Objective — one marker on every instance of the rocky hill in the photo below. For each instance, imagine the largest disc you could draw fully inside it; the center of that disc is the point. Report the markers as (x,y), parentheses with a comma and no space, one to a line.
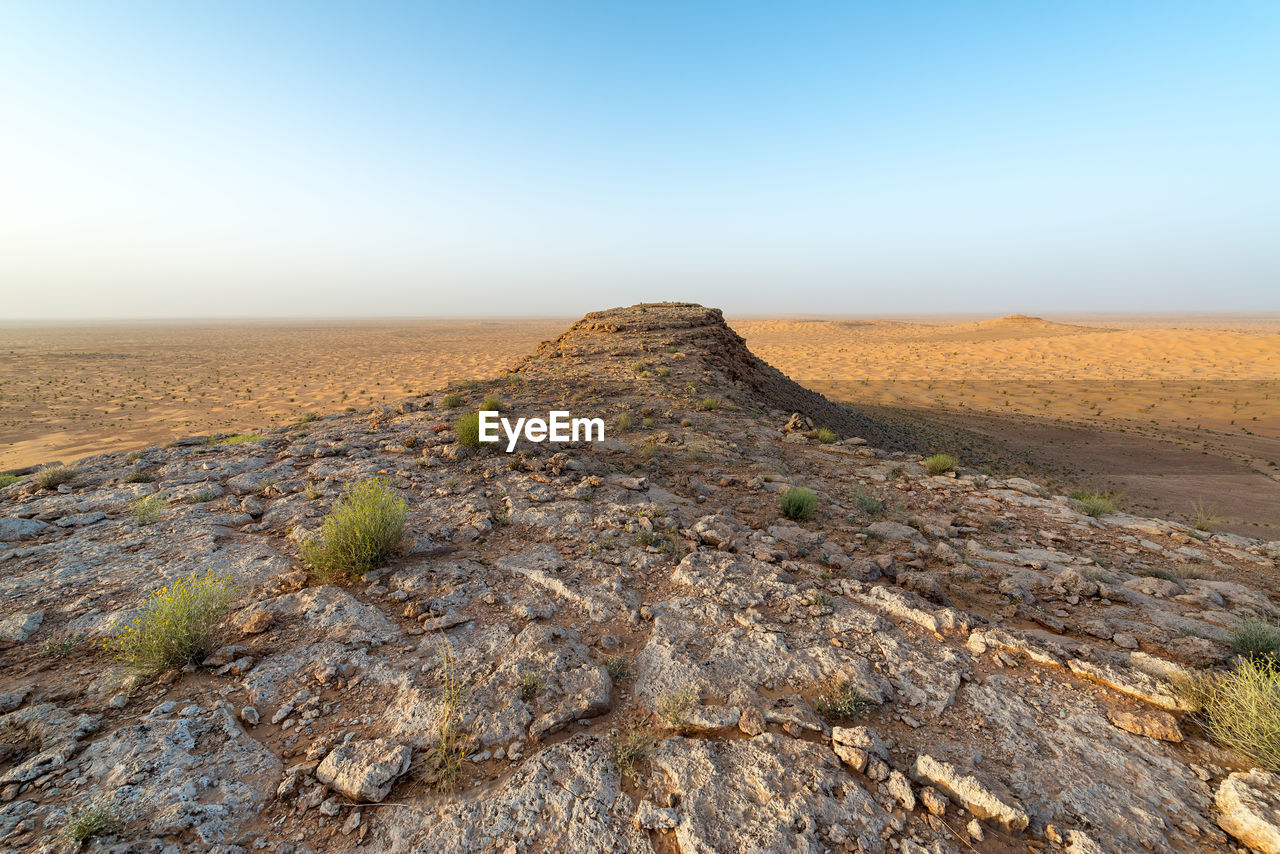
(632,647)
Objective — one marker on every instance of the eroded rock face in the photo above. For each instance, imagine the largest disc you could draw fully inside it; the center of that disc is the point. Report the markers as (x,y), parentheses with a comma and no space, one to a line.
(565,798)
(768,793)
(1001,662)
(196,771)
(1250,809)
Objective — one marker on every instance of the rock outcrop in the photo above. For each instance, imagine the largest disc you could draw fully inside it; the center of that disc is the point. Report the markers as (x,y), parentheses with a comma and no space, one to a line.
(625,642)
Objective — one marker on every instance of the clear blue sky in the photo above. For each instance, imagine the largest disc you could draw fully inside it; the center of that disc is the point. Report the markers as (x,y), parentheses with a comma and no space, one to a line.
(318,158)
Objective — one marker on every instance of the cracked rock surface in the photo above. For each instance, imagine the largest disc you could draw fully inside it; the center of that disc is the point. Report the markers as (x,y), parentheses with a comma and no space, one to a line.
(624,643)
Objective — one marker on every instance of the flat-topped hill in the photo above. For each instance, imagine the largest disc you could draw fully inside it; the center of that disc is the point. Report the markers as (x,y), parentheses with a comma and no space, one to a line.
(698,355)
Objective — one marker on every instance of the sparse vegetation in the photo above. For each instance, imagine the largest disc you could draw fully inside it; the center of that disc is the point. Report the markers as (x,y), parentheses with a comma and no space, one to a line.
(663,371)
(825,435)
(842,700)
(819,598)
(51,477)
(631,748)
(148,509)
(174,626)
(1205,517)
(203,496)
(623,422)
(85,823)
(492,404)
(468,430)
(139,477)
(452,400)
(240,439)
(445,760)
(1257,639)
(940,464)
(531,682)
(709,403)
(60,646)
(1240,709)
(617,666)
(308,417)
(1188,571)
(8,480)
(1094,503)
(674,706)
(866,502)
(361,530)
(798,504)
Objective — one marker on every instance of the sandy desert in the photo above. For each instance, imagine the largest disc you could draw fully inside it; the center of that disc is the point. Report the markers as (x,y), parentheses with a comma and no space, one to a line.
(1179,415)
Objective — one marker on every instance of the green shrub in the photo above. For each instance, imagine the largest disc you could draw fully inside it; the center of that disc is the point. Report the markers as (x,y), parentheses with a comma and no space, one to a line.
(361,530)
(798,503)
(617,666)
(866,502)
(202,496)
(842,700)
(139,477)
(493,404)
(8,479)
(630,748)
(1241,710)
(53,476)
(1256,638)
(709,403)
(674,706)
(1094,503)
(148,509)
(308,417)
(241,438)
(468,429)
(663,371)
(623,422)
(940,464)
(451,401)
(85,823)
(174,626)
(825,435)
(531,682)
(60,646)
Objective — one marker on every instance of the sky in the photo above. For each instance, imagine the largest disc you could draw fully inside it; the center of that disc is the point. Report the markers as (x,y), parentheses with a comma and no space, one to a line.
(329,159)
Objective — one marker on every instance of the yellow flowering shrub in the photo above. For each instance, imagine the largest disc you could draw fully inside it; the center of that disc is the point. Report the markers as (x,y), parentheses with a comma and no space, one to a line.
(361,530)
(174,626)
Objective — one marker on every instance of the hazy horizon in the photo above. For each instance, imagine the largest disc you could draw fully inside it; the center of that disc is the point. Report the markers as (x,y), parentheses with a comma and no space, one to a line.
(504,160)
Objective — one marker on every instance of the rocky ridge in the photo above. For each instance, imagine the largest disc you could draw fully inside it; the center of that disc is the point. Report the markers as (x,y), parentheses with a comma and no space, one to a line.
(1020,658)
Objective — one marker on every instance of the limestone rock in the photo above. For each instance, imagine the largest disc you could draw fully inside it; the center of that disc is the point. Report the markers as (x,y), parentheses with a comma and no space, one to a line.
(966,790)
(364,770)
(16,628)
(1161,725)
(1249,807)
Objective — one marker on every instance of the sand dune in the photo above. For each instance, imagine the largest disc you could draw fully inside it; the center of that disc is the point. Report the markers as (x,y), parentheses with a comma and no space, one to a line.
(1215,379)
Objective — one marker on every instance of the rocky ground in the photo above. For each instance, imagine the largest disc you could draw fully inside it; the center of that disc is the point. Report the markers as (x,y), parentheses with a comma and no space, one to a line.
(1020,657)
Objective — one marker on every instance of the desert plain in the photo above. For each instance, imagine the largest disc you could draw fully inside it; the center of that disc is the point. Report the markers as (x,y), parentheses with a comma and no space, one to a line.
(1178,416)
